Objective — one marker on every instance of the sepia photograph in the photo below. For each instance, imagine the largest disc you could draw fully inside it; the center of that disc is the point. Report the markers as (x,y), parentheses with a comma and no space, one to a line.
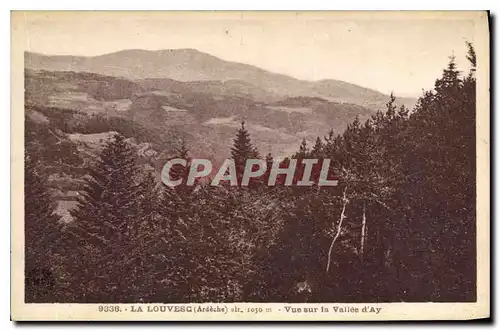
(250,165)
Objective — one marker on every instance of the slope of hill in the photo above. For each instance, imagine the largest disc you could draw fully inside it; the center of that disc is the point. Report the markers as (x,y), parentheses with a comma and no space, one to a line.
(189,65)
(70,114)
(163,111)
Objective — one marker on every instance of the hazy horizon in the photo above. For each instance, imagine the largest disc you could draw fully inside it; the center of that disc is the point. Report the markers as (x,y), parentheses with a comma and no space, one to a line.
(398,52)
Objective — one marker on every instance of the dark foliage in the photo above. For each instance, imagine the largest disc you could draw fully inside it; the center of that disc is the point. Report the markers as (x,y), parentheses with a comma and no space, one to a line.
(400,226)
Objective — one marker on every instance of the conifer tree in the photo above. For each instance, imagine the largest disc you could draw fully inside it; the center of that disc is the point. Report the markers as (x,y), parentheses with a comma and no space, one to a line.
(42,233)
(182,152)
(41,224)
(303,150)
(150,241)
(242,151)
(329,147)
(317,148)
(105,225)
(177,199)
(108,200)
(178,208)
(243,148)
(269,159)
(450,81)
(179,171)
(444,122)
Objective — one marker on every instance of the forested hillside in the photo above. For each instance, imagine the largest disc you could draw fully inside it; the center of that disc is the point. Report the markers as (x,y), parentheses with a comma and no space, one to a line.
(207,72)
(400,226)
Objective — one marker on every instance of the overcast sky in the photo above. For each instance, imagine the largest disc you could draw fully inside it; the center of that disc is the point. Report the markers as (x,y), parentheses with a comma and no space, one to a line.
(398,52)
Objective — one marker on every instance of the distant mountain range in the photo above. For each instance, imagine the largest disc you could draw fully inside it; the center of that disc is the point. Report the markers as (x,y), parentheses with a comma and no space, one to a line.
(190,65)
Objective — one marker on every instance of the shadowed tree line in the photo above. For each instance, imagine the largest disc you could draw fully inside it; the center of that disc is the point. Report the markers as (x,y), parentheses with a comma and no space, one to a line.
(400,226)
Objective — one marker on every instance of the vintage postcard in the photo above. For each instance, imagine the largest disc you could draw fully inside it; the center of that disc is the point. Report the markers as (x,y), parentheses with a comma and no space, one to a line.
(236,166)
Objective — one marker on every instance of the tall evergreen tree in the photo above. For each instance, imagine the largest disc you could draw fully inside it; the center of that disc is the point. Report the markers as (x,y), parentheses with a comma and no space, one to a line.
(178,211)
(41,224)
(177,199)
(317,149)
(243,148)
(106,222)
(42,232)
(107,203)
(441,188)
(303,150)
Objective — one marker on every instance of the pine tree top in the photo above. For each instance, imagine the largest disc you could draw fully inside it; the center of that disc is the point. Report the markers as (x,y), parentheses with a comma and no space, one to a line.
(182,152)
(269,158)
(318,147)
